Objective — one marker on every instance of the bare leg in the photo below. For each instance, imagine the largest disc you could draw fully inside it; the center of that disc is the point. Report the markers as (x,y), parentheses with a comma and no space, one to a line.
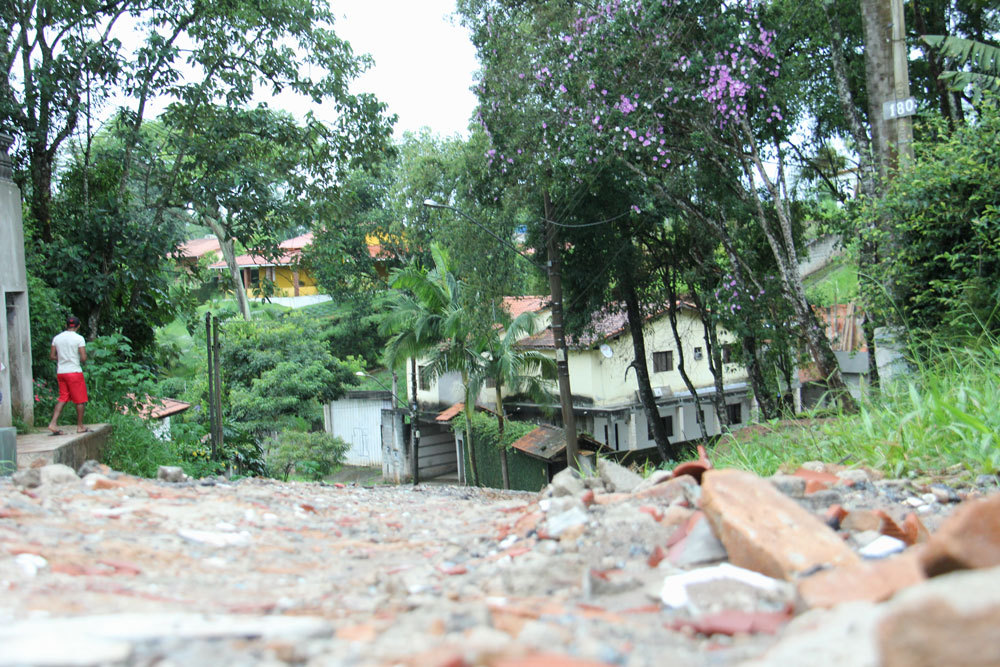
(79,417)
(55,417)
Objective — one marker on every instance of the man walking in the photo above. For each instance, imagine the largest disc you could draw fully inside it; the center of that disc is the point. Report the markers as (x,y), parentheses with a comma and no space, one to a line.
(69,352)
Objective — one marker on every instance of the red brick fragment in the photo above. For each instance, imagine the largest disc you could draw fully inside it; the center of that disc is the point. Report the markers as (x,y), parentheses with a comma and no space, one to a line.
(737,621)
(890,527)
(656,557)
(968,539)
(546,660)
(817,481)
(873,581)
(764,530)
(587,497)
(453,569)
(120,566)
(652,511)
(915,530)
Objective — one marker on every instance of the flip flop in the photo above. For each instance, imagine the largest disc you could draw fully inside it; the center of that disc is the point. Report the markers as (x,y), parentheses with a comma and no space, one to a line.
(55,433)
(85,430)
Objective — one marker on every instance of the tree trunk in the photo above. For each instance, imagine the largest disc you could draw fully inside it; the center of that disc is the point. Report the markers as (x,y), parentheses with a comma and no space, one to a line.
(635,324)
(503,450)
(226,246)
(786,260)
(710,335)
(668,281)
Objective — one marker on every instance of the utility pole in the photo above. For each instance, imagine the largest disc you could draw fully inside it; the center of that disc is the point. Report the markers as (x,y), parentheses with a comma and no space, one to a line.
(887,74)
(901,84)
(559,336)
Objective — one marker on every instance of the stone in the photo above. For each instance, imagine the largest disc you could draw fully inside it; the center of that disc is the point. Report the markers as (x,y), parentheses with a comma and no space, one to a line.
(699,546)
(90,466)
(617,478)
(57,473)
(567,482)
(840,636)
(853,476)
(881,547)
(656,477)
(28,478)
(968,539)
(729,585)
(915,530)
(944,494)
(874,581)
(76,651)
(683,487)
(790,485)
(950,620)
(858,521)
(557,524)
(816,480)
(764,530)
(819,501)
(172,474)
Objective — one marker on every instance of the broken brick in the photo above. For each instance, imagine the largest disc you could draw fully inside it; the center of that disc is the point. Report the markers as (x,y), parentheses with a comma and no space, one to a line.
(764,530)
(968,539)
(873,581)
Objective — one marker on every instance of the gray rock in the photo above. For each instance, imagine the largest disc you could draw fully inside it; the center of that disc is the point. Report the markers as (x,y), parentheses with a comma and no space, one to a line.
(567,482)
(90,466)
(853,476)
(819,501)
(790,485)
(172,474)
(844,635)
(560,523)
(27,479)
(57,473)
(699,547)
(987,480)
(617,478)
(656,477)
(945,494)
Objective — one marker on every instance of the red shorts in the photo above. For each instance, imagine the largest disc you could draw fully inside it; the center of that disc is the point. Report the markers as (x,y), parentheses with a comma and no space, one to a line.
(72,388)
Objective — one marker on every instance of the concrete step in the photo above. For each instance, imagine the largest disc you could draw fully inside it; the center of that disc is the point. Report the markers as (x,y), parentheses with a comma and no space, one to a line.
(71,449)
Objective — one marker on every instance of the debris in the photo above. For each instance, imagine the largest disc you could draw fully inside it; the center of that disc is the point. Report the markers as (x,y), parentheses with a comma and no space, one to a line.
(882,547)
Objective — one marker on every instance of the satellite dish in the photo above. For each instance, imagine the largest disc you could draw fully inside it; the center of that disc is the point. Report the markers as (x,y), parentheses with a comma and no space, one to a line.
(606,351)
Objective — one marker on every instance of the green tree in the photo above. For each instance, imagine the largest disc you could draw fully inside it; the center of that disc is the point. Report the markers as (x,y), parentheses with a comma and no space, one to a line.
(945,267)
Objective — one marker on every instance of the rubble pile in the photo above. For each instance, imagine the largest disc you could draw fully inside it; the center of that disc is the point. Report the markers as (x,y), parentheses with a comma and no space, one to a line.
(819,566)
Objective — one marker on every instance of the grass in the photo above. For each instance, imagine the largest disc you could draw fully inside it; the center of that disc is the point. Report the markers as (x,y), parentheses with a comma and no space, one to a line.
(835,283)
(943,415)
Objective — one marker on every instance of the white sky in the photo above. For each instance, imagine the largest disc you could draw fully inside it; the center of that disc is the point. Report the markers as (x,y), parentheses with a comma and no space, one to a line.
(424,61)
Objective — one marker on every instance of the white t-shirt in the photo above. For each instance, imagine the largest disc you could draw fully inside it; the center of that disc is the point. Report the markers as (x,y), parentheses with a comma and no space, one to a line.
(68,345)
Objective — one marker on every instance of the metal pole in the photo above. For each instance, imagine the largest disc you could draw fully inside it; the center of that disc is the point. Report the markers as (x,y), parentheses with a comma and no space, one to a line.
(414,426)
(559,336)
(211,381)
(218,387)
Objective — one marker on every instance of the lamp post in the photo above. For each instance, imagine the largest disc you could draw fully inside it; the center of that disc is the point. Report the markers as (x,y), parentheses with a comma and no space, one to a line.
(413,412)
(558,333)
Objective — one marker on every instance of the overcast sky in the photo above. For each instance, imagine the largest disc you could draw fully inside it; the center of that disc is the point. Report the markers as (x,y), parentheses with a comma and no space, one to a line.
(424,61)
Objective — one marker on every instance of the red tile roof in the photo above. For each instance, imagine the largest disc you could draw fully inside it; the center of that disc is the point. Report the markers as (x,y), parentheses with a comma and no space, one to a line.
(608,323)
(158,408)
(516,305)
(196,248)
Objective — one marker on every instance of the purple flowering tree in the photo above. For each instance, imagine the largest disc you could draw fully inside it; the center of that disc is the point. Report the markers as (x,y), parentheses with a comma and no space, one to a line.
(652,93)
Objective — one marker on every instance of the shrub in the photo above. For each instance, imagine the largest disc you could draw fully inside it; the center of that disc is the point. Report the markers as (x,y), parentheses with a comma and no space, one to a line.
(313,455)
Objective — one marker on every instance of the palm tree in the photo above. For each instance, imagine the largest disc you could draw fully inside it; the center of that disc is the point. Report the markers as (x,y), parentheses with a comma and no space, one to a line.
(984,59)
(521,370)
(427,319)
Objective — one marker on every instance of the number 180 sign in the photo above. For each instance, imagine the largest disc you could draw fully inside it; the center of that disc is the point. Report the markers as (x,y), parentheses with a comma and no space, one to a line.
(899,108)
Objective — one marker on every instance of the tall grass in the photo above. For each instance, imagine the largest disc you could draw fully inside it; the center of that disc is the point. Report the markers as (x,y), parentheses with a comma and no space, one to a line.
(946,412)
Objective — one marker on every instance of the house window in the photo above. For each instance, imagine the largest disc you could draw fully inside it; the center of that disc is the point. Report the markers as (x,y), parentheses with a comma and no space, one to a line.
(735,413)
(490,383)
(254,277)
(663,361)
(698,354)
(424,378)
(668,425)
(727,353)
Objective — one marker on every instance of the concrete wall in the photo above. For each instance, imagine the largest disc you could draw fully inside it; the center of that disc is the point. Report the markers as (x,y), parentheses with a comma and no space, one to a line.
(15,333)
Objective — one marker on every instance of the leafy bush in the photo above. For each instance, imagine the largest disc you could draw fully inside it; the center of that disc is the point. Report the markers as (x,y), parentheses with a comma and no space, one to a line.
(524,473)
(943,259)
(312,455)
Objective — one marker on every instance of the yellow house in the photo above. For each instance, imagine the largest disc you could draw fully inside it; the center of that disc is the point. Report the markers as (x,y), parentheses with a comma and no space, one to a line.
(284,271)
(604,385)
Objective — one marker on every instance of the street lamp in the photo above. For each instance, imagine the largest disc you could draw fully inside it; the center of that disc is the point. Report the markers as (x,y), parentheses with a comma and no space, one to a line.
(414,414)
(558,334)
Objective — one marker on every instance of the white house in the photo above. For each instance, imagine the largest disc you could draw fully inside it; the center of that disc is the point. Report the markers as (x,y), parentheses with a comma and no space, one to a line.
(605,388)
